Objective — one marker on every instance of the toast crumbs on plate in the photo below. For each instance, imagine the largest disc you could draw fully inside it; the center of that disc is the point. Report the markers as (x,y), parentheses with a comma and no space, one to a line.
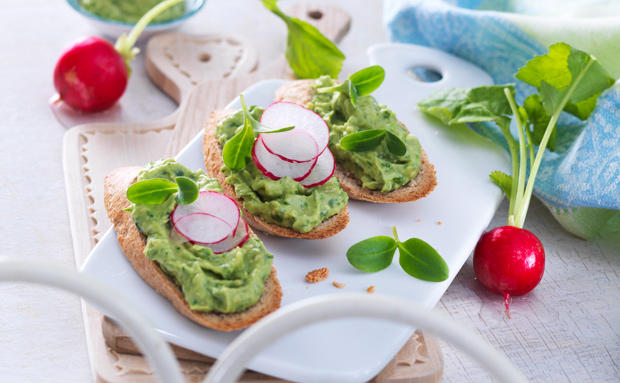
(439,222)
(338,285)
(317,275)
(419,220)
(370,289)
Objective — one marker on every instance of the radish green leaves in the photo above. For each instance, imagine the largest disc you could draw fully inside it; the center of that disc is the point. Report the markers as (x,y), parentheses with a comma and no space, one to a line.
(416,257)
(308,52)
(156,191)
(567,79)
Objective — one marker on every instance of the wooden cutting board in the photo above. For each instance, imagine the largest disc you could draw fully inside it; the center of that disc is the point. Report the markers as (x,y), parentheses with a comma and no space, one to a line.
(201,73)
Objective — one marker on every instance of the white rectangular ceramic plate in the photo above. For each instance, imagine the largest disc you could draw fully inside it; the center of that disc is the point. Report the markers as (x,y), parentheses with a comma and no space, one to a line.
(450,219)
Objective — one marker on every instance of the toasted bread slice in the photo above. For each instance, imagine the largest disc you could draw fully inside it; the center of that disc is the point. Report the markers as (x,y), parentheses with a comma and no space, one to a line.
(133,242)
(300,92)
(213,164)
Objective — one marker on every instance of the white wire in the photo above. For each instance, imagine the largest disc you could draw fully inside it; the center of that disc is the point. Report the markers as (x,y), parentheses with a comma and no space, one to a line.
(157,351)
(231,363)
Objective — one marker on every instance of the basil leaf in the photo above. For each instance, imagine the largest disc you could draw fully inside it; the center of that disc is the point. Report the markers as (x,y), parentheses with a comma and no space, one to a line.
(153,191)
(372,254)
(367,79)
(308,52)
(421,261)
(503,181)
(188,190)
(353,93)
(566,72)
(395,145)
(363,141)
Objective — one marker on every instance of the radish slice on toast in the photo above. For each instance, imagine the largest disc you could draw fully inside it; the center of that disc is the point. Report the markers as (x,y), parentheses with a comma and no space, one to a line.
(242,233)
(203,228)
(322,171)
(275,168)
(213,203)
(283,114)
(295,145)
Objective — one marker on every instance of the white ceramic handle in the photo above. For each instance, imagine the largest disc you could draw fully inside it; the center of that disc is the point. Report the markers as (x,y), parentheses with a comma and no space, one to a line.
(233,360)
(157,351)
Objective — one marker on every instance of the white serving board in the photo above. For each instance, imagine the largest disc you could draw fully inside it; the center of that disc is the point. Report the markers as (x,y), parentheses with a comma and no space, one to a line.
(451,219)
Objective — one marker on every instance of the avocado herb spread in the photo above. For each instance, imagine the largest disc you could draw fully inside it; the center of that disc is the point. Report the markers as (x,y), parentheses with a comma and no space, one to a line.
(378,169)
(284,202)
(228,282)
(130,11)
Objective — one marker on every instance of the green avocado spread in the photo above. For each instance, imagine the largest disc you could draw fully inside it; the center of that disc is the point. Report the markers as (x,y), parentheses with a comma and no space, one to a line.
(228,282)
(377,169)
(130,11)
(284,202)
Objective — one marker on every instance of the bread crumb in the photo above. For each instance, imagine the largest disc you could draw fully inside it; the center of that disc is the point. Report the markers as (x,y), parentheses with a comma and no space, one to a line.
(419,220)
(370,289)
(338,285)
(439,222)
(317,275)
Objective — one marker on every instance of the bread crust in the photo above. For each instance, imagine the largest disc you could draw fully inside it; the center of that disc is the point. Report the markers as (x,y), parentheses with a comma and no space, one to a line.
(213,163)
(301,92)
(132,243)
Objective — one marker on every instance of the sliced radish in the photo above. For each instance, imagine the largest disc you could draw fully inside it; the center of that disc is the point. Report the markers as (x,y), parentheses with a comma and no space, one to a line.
(322,171)
(213,203)
(282,114)
(203,228)
(295,145)
(242,233)
(275,168)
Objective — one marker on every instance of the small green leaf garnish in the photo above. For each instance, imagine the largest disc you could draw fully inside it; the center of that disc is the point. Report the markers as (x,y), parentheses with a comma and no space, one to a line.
(503,181)
(421,261)
(153,191)
(372,254)
(363,141)
(417,257)
(361,83)
(308,52)
(395,145)
(188,190)
(367,80)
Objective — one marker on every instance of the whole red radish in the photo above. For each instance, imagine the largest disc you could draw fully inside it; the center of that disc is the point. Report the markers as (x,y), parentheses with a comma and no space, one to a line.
(509,260)
(91,75)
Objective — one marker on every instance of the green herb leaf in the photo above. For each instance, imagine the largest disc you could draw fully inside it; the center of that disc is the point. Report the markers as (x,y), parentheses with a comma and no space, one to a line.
(363,141)
(308,52)
(457,106)
(188,190)
(372,254)
(537,120)
(260,128)
(367,80)
(566,72)
(153,191)
(239,147)
(353,92)
(503,181)
(395,145)
(422,261)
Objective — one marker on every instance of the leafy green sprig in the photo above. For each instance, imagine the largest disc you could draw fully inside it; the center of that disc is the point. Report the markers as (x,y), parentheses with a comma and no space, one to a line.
(239,147)
(416,257)
(361,83)
(156,191)
(308,52)
(369,139)
(567,80)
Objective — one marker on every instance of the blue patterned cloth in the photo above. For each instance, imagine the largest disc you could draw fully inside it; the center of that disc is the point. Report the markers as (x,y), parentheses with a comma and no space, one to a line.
(580,182)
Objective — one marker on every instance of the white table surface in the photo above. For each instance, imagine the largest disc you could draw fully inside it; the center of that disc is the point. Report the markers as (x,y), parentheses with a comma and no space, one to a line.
(568,329)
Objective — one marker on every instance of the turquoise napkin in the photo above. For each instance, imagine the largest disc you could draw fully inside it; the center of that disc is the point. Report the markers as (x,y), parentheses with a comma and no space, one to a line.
(580,182)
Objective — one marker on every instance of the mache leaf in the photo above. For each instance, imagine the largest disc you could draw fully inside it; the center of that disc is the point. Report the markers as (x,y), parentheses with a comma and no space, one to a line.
(503,181)
(188,190)
(395,145)
(154,191)
(308,52)
(422,261)
(363,141)
(367,80)
(372,254)
(566,72)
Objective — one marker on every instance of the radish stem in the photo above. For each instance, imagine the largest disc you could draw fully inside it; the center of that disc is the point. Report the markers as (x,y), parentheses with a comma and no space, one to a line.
(519,177)
(125,43)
